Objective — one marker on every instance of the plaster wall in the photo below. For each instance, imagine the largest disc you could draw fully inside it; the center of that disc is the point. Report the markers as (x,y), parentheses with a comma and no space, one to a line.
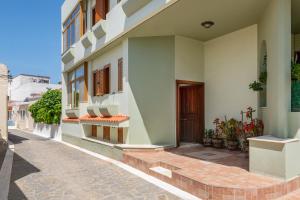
(3,101)
(151,90)
(189,59)
(230,65)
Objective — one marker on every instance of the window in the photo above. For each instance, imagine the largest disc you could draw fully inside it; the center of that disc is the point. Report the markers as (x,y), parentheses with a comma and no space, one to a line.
(101,81)
(71,32)
(77,86)
(22,114)
(120,74)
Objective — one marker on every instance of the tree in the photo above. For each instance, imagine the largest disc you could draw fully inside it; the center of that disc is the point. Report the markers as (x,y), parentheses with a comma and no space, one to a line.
(48,108)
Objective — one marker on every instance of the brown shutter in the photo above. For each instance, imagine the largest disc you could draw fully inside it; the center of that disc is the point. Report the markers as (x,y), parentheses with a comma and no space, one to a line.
(106,133)
(94,131)
(101,84)
(120,75)
(120,136)
(101,10)
(85,98)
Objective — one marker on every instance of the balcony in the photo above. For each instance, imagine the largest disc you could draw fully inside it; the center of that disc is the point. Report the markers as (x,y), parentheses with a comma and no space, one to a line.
(68,56)
(72,113)
(99,29)
(131,6)
(86,40)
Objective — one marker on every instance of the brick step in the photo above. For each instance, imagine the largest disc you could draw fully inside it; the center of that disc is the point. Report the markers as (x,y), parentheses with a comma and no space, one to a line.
(291,196)
(206,190)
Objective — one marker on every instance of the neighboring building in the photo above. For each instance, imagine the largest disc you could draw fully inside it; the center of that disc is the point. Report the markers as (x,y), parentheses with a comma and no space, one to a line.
(3,101)
(24,90)
(138,73)
(25,85)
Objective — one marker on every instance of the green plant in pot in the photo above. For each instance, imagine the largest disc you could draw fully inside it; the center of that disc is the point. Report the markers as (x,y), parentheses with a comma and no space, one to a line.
(231,133)
(217,138)
(207,140)
(260,84)
(295,90)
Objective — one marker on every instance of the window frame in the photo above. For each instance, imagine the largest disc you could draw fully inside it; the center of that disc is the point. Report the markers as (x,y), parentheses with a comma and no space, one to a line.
(78,12)
(76,79)
(120,75)
(102,81)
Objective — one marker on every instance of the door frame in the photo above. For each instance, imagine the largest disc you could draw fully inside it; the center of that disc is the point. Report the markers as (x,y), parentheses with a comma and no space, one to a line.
(178,83)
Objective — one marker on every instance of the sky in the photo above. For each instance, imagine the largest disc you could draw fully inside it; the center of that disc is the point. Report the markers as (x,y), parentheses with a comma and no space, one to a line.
(30,39)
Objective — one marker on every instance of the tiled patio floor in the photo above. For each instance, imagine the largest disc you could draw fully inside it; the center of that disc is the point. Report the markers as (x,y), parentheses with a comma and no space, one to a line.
(211,173)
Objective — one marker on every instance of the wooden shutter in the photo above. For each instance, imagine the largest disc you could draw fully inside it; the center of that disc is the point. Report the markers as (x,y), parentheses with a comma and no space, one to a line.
(120,74)
(120,136)
(94,131)
(101,9)
(101,84)
(106,133)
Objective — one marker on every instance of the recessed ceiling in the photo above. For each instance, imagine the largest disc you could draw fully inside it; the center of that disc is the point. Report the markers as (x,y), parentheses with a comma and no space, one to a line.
(185,17)
(296,16)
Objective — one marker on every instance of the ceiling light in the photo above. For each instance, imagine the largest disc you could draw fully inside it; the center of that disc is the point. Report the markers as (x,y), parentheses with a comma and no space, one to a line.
(208,24)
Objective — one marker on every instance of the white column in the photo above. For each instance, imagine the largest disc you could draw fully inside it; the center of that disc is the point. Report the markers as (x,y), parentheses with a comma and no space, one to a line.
(275,29)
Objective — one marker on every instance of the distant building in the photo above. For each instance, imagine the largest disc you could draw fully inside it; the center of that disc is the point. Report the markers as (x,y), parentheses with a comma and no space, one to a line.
(23,91)
(24,85)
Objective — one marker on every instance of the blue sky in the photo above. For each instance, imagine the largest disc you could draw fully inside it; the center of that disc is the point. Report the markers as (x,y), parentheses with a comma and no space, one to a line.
(30,37)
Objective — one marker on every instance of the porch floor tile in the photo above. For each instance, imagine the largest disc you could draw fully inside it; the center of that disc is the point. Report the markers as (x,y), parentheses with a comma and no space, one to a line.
(206,172)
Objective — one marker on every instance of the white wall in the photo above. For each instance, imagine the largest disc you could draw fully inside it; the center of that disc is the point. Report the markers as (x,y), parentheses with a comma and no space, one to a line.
(189,59)
(25,90)
(116,23)
(230,65)
(115,97)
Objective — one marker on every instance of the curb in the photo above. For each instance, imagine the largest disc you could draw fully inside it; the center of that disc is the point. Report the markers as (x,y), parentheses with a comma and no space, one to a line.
(5,171)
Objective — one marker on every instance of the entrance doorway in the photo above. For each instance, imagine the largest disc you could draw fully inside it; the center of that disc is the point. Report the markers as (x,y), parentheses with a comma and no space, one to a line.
(190,111)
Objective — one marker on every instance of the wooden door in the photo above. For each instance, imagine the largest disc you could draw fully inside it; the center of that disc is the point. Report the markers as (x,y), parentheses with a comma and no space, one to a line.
(191,113)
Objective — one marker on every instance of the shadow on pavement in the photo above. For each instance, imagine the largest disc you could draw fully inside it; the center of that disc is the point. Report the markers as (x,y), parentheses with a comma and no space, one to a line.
(15,138)
(3,147)
(20,169)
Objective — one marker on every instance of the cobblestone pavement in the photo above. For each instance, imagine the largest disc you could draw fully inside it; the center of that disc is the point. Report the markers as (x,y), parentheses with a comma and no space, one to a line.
(44,169)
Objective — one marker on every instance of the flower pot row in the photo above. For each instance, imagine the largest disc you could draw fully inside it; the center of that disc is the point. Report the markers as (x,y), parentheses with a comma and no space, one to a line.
(233,134)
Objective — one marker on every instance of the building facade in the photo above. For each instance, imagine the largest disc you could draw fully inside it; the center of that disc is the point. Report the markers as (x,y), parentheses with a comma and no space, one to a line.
(24,90)
(3,101)
(134,74)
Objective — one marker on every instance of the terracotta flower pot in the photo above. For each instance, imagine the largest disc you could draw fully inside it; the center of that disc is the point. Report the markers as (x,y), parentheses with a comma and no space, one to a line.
(232,145)
(217,142)
(207,142)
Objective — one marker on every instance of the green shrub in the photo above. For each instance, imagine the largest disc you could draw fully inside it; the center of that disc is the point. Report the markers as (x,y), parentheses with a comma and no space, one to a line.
(48,108)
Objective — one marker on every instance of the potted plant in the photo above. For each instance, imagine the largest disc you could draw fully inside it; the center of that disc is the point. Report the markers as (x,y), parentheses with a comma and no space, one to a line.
(260,85)
(207,140)
(231,133)
(217,138)
(250,128)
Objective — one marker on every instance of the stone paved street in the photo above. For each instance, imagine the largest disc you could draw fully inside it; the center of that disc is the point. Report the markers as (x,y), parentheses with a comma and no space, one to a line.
(44,169)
